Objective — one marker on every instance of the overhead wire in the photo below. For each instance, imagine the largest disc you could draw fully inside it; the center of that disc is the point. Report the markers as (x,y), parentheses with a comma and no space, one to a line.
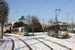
(63,6)
(40,7)
(16,8)
(52,12)
(17,4)
(69,14)
(66,4)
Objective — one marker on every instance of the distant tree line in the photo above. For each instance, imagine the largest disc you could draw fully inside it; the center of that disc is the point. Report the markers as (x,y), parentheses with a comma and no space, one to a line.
(70,25)
(51,21)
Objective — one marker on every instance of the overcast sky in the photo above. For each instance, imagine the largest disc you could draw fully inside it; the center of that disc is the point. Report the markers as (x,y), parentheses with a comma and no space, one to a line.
(41,8)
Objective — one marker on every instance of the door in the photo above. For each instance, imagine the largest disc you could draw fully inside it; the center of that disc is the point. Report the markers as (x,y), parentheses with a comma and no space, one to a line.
(56,31)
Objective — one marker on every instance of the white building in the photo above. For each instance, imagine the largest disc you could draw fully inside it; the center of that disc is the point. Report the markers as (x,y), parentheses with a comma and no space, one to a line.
(13,22)
(7,26)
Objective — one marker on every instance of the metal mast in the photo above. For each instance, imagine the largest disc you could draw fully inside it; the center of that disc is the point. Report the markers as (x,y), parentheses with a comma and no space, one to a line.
(56,14)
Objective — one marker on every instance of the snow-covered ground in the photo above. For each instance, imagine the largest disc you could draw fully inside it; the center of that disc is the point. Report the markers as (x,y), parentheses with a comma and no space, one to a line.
(39,41)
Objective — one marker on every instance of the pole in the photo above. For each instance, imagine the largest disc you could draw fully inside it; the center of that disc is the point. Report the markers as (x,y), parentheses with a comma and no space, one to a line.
(43,25)
(56,14)
(11,30)
(0,32)
(72,25)
(67,18)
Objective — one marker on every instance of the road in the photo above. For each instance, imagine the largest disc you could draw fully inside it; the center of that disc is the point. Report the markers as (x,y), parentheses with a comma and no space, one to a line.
(39,41)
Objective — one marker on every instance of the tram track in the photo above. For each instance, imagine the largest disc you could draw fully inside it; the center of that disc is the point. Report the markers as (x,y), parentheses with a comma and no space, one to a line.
(58,44)
(43,43)
(69,41)
(19,39)
(61,44)
(25,43)
(28,45)
(53,42)
(37,40)
(66,40)
(12,43)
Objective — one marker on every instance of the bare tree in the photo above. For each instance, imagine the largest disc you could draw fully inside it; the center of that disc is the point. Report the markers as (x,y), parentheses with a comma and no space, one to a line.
(52,21)
(3,15)
(70,25)
(33,22)
(28,19)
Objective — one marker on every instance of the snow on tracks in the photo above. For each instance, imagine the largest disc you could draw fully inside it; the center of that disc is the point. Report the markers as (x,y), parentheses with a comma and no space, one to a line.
(62,42)
(24,42)
(19,43)
(36,44)
(58,44)
(44,43)
(12,43)
(49,43)
(39,43)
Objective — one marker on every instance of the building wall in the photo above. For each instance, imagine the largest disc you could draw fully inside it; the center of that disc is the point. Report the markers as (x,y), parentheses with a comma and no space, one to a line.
(13,22)
(7,26)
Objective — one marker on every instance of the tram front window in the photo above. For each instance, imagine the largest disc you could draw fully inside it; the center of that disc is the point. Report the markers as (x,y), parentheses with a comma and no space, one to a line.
(63,27)
(26,29)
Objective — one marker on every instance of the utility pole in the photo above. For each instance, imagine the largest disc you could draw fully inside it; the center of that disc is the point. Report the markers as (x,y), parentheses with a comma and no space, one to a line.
(72,25)
(67,18)
(57,13)
(43,25)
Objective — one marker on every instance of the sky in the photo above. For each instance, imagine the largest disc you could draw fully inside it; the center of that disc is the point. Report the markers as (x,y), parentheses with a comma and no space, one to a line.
(43,9)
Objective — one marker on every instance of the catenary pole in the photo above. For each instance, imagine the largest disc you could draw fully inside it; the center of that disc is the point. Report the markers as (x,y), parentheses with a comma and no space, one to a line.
(43,25)
(67,18)
(72,25)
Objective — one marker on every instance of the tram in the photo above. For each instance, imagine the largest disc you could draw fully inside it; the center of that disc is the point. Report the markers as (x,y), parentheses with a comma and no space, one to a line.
(21,30)
(58,30)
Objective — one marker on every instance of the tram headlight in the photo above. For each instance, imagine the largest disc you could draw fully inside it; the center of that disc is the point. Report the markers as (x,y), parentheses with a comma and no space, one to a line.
(62,32)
